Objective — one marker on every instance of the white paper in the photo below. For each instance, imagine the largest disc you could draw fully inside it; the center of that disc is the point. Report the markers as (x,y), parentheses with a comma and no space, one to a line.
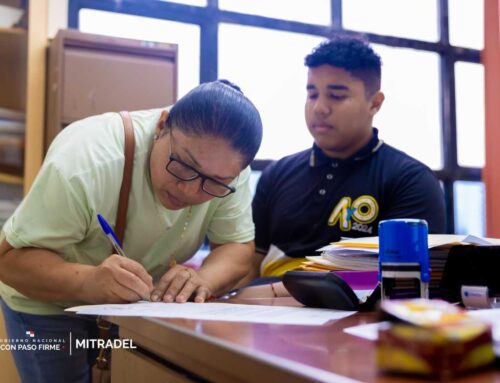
(217,311)
(480,241)
(273,254)
(350,249)
(352,261)
(434,240)
(363,294)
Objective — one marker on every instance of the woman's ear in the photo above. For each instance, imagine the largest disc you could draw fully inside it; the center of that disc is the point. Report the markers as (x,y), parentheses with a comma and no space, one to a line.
(161,124)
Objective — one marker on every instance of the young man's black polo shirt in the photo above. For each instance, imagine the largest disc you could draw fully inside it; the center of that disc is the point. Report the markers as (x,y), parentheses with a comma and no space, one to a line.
(307,200)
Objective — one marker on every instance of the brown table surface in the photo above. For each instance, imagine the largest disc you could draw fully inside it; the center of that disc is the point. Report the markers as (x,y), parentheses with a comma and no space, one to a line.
(292,352)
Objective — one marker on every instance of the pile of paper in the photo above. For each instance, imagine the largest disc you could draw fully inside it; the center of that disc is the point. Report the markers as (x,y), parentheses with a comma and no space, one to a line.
(362,254)
(352,258)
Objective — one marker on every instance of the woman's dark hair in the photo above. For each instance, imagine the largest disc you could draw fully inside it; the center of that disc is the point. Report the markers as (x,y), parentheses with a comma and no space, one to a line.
(219,109)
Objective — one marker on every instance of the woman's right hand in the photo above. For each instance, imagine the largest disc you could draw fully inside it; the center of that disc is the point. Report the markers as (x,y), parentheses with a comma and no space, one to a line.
(116,280)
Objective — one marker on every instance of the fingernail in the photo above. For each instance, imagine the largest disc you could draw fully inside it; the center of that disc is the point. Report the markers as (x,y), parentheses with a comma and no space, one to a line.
(155,297)
(167,298)
(180,298)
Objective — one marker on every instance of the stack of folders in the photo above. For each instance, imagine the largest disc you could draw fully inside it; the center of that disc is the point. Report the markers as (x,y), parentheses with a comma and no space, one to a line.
(361,254)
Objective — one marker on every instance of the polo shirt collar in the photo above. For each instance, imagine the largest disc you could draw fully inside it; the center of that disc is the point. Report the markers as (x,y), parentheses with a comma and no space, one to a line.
(318,158)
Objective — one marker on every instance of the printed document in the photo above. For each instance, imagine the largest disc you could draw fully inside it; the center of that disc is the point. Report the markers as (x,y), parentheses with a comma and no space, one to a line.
(217,311)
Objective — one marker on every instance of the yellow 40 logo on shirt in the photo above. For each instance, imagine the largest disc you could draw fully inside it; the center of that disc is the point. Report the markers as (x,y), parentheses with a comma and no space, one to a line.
(363,210)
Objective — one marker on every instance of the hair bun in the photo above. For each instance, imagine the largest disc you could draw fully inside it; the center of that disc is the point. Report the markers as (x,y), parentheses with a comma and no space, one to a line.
(230,84)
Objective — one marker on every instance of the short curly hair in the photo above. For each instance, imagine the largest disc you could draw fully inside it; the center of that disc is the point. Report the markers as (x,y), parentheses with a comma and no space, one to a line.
(353,54)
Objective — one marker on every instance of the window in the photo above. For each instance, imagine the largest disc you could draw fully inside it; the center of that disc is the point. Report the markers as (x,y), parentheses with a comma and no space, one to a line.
(468,13)
(410,118)
(261,44)
(275,84)
(469,91)
(411,19)
(187,36)
(199,3)
(310,11)
(469,208)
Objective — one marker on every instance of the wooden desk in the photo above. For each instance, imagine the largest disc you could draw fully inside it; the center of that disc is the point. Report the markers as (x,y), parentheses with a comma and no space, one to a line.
(172,349)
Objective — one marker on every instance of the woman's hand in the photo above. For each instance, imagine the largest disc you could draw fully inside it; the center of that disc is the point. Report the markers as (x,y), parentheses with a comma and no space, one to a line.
(116,280)
(179,284)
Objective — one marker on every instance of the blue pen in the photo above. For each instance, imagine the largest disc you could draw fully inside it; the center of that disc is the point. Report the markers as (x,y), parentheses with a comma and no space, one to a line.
(111,235)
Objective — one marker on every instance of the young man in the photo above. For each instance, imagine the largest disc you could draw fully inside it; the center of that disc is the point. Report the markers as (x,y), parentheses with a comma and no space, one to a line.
(350,179)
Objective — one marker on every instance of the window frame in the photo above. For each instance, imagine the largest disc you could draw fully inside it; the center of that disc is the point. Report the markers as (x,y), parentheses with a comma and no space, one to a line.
(209,17)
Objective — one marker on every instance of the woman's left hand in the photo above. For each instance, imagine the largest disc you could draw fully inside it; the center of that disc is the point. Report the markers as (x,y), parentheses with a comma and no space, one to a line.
(179,284)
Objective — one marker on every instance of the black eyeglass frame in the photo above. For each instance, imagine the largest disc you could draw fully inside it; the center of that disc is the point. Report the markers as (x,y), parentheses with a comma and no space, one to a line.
(198,174)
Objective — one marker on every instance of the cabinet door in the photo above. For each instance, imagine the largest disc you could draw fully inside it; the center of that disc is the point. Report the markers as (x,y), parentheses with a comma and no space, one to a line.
(128,366)
(92,74)
(96,82)
(13,57)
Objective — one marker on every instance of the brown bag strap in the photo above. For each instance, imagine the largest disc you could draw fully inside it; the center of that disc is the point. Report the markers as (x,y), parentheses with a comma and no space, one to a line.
(103,359)
(121,214)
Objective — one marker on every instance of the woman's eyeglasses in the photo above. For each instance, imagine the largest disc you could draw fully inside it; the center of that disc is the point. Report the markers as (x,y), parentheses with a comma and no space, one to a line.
(185,172)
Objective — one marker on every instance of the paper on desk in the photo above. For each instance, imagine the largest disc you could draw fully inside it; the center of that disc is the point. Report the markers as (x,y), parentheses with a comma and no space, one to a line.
(480,241)
(217,311)
(434,240)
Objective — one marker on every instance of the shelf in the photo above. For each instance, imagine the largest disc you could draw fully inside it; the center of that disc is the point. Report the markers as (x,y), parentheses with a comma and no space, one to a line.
(12,115)
(12,32)
(13,69)
(11,179)
(12,138)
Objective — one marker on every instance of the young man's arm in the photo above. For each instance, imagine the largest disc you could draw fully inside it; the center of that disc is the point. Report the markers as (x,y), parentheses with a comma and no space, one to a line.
(417,194)
(254,272)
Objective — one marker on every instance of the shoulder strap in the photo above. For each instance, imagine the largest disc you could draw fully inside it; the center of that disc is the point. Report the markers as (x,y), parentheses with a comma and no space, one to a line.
(103,359)
(121,214)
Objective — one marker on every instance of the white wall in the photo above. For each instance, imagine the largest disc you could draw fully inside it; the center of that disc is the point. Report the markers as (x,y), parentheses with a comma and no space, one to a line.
(58,16)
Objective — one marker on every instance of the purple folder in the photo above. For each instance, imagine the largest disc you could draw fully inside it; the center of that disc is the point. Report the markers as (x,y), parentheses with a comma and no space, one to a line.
(359,280)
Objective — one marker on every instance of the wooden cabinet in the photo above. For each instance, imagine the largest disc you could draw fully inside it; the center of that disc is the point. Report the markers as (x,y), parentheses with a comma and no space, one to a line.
(129,366)
(13,61)
(87,75)
(13,64)
(92,74)
(22,97)
(22,105)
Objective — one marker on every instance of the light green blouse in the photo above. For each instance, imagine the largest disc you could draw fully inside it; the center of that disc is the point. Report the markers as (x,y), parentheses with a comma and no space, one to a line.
(81,177)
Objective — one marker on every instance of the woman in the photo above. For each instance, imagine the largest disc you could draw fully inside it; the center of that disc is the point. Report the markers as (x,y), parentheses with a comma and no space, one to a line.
(190,180)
